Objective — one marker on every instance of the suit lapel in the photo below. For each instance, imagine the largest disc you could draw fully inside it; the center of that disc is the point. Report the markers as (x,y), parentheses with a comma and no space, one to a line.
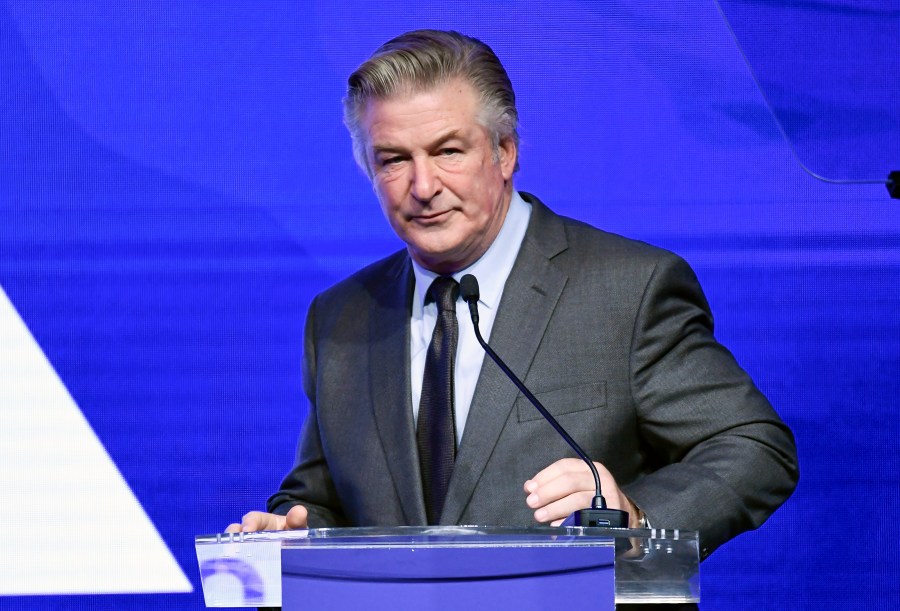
(529,299)
(391,401)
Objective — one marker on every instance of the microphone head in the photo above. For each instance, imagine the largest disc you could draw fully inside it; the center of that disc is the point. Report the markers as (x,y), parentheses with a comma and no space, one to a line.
(468,288)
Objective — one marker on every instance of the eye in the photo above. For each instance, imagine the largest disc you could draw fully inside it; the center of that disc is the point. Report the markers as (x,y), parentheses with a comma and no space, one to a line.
(449,152)
(389,161)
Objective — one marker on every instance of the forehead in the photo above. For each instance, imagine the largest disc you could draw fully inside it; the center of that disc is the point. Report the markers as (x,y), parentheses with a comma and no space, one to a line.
(410,116)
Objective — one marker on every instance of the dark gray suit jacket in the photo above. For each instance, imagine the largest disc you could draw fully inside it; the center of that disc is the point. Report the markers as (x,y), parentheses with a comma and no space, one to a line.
(613,336)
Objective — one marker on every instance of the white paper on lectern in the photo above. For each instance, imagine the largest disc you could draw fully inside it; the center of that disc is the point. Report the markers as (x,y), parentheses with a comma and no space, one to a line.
(241,574)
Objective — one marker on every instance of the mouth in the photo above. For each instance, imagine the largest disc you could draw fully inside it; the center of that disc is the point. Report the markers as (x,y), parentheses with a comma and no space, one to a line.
(431,218)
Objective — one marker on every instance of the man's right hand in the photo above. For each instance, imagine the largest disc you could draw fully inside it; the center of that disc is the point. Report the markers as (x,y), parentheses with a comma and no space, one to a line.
(257,520)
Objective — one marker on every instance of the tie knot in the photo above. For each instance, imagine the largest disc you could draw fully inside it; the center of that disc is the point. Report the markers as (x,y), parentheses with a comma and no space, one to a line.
(443,291)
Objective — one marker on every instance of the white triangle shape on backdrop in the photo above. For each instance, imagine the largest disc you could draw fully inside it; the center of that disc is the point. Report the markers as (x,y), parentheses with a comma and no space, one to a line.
(71,524)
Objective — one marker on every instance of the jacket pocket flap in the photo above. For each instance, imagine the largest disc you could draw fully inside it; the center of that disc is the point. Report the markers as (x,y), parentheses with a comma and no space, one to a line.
(563,400)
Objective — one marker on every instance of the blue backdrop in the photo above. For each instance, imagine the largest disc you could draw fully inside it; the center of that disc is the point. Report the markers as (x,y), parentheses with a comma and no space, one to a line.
(176,185)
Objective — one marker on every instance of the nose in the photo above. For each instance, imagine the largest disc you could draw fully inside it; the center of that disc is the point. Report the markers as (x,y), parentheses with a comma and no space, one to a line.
(425,181)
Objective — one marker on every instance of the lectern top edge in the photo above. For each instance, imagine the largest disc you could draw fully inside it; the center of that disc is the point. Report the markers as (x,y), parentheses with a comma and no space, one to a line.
(448,533)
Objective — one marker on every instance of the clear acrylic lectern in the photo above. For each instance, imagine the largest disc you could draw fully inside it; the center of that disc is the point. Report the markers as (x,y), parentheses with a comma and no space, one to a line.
(473,567)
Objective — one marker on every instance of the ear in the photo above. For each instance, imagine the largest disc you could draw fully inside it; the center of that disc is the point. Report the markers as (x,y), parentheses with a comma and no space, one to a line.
(508,153)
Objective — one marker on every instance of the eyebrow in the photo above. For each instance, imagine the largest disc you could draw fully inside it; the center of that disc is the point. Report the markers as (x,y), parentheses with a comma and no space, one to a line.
(436,143)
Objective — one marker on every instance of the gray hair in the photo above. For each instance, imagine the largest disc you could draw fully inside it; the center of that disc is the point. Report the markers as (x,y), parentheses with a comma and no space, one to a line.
(424,59)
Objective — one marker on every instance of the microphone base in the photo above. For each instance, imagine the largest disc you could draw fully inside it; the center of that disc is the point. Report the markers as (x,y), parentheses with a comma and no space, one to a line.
(603,518)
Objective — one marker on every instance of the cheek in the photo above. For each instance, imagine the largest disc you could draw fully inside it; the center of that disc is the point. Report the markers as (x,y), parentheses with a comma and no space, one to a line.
(486,191)
(386,191)
(390,208)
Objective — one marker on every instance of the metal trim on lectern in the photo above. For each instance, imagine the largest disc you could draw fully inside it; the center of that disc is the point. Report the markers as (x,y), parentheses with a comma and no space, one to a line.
(424,567)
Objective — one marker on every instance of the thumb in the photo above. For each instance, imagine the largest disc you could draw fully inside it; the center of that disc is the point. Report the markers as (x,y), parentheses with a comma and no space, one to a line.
(296,518)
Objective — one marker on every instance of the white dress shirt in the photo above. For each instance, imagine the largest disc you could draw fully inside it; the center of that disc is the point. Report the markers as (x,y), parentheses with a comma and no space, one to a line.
(491,270)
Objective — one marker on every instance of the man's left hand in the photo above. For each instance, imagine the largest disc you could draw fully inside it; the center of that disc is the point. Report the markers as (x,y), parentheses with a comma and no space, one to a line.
(567,486)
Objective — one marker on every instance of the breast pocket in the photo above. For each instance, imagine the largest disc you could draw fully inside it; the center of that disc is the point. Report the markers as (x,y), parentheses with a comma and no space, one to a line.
(563,400)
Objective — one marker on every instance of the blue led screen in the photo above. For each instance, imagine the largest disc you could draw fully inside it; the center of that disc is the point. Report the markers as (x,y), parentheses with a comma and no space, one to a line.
(176,185)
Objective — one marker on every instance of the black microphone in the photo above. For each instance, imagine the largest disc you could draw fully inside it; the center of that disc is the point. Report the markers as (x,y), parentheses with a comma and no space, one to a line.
(598,514)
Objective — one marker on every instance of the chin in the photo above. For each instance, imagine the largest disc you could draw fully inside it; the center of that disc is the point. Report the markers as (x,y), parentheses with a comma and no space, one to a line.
(436,251)
(440,262)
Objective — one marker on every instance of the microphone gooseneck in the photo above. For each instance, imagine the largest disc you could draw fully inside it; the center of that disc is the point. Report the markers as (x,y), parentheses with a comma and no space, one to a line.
(468,289)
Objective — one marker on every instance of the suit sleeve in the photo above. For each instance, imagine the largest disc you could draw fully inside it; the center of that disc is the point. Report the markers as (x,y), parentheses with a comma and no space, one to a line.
(309,482)
(730,460)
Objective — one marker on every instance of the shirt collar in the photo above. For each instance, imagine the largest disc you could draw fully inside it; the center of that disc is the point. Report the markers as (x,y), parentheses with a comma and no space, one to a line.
(494,266)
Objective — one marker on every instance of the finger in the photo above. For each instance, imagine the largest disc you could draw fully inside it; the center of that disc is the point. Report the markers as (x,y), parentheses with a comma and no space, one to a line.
(255,521)
(562,486)
(233,528)
(564,507)
(563,465)
(250,522)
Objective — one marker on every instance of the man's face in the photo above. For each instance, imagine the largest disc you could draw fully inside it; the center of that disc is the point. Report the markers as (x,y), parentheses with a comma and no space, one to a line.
(435,173)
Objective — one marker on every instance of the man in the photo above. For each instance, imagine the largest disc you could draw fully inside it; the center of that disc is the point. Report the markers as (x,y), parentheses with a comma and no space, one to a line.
(614,336)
